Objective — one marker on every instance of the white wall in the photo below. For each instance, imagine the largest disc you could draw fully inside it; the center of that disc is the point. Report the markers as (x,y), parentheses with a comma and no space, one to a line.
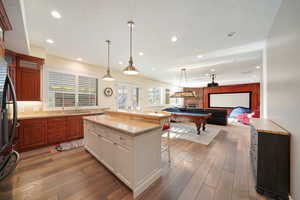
(283,70)
(56,63)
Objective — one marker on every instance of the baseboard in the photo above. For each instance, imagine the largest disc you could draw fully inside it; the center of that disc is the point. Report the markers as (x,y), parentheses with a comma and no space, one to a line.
(146,183)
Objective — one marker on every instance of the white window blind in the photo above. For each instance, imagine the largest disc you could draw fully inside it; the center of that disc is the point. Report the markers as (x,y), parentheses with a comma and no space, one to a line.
(61,90)
(154,96)
(87,91)
(68,90)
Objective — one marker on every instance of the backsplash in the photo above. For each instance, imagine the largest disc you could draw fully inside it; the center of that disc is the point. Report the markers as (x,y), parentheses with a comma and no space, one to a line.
(30,106)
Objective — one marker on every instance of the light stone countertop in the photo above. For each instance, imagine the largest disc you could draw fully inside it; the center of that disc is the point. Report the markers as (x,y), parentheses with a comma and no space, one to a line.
(267,126)
(141,114)
(132,127)
(47,114)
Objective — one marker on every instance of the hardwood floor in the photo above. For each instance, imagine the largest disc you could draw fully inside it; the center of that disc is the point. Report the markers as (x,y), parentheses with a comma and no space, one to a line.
(218,171)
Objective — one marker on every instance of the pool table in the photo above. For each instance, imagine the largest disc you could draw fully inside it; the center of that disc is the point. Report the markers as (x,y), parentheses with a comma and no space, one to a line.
(198,118)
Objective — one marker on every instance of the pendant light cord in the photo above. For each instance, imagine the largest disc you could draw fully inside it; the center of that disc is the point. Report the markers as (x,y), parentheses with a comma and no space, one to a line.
(108,55)
(130,46)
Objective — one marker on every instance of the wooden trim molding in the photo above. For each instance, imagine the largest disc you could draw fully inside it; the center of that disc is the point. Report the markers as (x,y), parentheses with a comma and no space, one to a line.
(40,61)
(4,20)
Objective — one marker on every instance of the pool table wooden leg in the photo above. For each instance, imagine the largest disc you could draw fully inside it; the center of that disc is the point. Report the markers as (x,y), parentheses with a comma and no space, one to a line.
(198,125)
(203,125)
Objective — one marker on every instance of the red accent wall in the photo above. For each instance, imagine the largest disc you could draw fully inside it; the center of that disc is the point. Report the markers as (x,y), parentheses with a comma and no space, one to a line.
(252,87)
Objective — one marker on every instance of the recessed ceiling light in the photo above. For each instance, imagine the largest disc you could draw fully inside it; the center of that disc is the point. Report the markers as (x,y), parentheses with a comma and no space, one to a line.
(55,14)
(120,63)
(213,70)
(49,41)
(79,59)
(231,34)
(141,53)
(174,39)
(200,56)
(257,67)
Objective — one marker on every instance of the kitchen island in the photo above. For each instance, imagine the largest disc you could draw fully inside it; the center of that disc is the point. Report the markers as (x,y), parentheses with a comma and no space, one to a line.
(130,147)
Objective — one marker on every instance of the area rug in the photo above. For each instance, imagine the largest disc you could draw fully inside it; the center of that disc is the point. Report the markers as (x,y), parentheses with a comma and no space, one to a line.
(188,131)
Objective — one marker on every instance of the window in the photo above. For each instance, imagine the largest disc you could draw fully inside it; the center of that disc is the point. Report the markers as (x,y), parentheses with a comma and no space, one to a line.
(154,96)
(167,95)
(87,91)
(68,90)
(127,97)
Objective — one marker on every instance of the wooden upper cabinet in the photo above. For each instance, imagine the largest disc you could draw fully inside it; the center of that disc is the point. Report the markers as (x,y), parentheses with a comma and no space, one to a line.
(4,26)
(10,58)
(28,81)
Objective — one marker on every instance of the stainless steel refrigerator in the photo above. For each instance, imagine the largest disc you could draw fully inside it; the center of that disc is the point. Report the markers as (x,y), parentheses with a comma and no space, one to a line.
(8,122)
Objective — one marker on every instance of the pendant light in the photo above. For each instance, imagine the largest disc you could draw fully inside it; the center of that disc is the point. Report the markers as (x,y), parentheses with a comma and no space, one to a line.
(183,94)
(107,76)
(130,69)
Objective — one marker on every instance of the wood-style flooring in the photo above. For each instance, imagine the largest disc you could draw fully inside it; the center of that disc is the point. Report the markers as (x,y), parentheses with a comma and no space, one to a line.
(220,171)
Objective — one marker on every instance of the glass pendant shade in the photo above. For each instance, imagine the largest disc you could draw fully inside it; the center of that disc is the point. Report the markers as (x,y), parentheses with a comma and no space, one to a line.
(130,69)
(107,77)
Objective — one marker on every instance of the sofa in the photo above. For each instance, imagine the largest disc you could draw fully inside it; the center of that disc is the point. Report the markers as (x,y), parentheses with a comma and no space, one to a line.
(218,117)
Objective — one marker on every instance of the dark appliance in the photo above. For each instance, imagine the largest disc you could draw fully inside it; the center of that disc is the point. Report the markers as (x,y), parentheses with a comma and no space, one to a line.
(8,122)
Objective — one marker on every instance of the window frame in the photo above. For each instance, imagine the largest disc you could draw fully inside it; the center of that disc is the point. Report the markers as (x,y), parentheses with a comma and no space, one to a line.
(161,96)
(132,87)
(45,89)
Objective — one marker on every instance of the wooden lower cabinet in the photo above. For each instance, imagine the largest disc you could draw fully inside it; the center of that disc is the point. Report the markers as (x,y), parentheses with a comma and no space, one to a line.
(32,133)
(56,130)
(74,127)
(48,131)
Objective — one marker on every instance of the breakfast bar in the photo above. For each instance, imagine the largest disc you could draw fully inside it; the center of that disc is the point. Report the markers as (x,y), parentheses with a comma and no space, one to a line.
(128,144)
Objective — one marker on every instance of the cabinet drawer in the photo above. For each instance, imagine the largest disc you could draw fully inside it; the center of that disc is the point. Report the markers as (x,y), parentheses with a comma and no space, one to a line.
(103,131)
(113,135)
(56,128)
(124,140)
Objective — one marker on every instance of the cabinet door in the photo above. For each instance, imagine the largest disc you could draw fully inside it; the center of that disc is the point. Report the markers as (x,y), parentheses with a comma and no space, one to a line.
(32,133)
(94,143)
(28,84)
(74,127)
(56,130)
(28,77)
(107,149)
(123,163)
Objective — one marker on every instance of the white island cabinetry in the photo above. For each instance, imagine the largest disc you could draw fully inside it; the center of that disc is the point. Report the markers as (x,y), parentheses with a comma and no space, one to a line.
(129,149)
